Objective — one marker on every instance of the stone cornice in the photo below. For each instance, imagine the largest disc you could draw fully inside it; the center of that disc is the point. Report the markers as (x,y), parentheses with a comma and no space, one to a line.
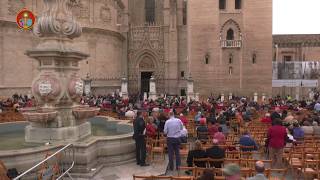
(4,22)
(297,40)
(103,31)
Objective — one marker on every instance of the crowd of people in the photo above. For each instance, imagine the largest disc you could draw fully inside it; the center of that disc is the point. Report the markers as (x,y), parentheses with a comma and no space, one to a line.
(16,102)
(288,121)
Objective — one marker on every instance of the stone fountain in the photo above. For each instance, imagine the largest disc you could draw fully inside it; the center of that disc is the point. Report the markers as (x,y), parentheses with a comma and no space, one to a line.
(58,87)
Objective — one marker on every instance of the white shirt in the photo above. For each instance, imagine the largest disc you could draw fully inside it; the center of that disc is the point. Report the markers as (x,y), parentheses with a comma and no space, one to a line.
(173,127)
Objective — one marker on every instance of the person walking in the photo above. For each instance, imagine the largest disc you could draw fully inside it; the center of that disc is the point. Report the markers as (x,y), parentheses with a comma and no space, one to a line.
(139,137)
(172,129)
(276,140)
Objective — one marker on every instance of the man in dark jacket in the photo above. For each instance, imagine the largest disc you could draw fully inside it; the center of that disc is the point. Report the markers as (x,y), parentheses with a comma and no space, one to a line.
(139,136)
(215,152)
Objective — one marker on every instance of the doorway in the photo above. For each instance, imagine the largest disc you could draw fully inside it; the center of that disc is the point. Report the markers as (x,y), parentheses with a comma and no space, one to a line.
(145,82)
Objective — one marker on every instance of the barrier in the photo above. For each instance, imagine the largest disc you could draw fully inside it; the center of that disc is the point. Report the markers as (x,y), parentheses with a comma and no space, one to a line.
(54,166)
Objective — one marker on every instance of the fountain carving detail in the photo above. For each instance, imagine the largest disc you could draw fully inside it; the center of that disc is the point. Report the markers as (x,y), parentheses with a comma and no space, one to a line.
(58,87)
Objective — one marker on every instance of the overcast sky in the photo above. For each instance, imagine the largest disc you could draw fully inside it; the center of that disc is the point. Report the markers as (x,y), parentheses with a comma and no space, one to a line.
(296,16)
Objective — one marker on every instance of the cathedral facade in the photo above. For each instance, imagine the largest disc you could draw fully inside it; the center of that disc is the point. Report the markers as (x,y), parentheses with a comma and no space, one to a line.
(224,46)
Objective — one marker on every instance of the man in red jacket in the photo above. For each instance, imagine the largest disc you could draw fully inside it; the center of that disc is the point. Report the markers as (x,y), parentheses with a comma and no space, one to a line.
(276,136)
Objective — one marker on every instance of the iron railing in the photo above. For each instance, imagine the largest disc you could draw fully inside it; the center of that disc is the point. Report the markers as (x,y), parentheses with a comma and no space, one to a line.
(54,166)
(231,43)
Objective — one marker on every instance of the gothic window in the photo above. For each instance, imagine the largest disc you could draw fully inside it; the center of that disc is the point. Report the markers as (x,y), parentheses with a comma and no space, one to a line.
(254,58)
(182,74)
(230,58)
(206,58)
(222,4)
(274,56)
(184,11)
(237,4)
(150,10)
(230,34)
(230,70)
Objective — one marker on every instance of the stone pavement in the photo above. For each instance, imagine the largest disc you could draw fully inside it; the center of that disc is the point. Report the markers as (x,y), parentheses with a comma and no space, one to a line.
(125,171)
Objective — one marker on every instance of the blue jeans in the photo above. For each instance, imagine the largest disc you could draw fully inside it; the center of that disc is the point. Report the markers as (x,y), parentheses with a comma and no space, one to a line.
(173,148)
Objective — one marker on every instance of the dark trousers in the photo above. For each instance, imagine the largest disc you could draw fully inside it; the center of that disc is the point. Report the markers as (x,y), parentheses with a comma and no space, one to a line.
(140,150)
(173,149)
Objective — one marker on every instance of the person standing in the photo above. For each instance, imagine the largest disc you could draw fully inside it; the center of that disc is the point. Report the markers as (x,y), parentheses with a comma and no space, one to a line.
(139,137)
(276,136)
(172,129)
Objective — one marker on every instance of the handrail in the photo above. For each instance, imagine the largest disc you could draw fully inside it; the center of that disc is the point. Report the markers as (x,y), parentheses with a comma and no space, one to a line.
(46,159)
(66,172)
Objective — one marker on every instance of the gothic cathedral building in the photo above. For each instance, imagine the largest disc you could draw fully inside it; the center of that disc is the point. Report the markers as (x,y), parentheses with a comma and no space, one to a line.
(223,46)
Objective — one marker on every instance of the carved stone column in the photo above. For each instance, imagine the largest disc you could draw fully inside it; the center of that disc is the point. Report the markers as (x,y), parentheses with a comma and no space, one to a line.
(58,87)
(255,97)
(153,92)
(190,92)
(124,88)
(222,97)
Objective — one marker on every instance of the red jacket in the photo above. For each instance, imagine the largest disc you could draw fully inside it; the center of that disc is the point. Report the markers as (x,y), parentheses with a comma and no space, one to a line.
(212,130)
(151,131)
(266,120)
(277,135)
(184,120)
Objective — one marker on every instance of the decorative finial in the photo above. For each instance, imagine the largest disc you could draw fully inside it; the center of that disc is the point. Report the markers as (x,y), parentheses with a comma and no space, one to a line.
(57,20)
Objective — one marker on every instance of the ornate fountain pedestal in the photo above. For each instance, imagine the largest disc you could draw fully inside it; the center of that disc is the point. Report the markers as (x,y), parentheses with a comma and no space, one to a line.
(58,87)
(44,126)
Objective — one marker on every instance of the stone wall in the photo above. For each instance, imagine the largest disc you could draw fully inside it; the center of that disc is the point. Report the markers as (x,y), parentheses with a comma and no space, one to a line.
(252,25)
(301,47)
(101,38)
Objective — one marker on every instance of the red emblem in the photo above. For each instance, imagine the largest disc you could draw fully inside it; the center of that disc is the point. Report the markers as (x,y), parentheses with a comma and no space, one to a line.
(25,19)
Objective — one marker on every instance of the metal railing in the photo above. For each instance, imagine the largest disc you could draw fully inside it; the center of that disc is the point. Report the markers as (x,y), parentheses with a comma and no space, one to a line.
(231,43)
(54,166)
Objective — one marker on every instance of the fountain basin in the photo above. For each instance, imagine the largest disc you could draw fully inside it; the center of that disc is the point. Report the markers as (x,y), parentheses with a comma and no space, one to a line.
(85,112)
(39,115)
(96,151)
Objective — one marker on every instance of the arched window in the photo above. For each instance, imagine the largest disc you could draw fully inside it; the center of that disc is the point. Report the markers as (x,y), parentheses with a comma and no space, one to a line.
(230,34)
(150,10)
(237,4)
(230,58)
(222,4)
(254,58)
(184,13)
(206,58)
(230,70)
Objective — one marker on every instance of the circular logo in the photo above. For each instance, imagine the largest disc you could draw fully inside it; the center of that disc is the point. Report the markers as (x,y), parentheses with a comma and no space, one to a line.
(25,19)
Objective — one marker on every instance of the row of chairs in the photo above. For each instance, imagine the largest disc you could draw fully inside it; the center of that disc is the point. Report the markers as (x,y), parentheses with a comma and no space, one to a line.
(196,172)
(136,177)
(303,160)
(243,163)
(10,116)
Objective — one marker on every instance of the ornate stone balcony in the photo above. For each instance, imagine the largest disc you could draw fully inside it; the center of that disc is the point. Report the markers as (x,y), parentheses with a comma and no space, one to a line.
(231,43)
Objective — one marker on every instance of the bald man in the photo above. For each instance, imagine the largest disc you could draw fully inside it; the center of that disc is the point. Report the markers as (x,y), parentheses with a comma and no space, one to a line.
(259,172)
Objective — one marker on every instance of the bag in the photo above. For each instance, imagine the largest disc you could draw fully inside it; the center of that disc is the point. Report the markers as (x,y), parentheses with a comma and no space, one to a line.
(12,173)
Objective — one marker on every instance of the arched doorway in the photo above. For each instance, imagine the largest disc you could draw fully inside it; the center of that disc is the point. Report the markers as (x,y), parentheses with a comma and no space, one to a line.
(146,70)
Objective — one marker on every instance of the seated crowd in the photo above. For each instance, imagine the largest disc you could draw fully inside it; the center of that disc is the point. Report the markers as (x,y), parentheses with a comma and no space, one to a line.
(217,140)
(240,138)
